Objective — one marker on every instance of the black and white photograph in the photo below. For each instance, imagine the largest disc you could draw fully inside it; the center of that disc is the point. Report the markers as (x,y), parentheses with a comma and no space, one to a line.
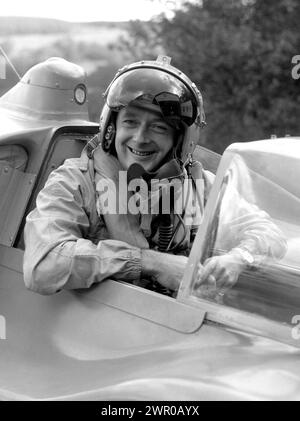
(149,203)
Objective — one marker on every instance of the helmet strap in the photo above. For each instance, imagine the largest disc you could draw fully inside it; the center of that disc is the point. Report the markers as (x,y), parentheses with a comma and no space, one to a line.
(109,136)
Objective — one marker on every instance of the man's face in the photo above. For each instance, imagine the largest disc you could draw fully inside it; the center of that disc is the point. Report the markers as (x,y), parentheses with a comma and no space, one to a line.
(142,137)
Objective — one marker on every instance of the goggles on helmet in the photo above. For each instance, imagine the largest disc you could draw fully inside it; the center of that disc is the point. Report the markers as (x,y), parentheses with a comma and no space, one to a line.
(178,101)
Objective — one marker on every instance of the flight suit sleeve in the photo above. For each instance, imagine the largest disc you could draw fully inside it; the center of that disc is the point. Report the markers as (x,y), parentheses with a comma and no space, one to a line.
(58,254)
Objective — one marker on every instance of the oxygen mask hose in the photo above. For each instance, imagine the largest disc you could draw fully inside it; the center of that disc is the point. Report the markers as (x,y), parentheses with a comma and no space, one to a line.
(166,225)
(166,229)
(169,171)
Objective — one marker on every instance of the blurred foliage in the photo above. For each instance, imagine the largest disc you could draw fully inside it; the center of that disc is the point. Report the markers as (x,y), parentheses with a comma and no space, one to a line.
(239,53)
(142,40)
(98,81)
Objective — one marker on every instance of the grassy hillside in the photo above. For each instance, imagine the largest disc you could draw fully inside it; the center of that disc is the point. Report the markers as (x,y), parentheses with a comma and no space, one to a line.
(20,25)
(25,25)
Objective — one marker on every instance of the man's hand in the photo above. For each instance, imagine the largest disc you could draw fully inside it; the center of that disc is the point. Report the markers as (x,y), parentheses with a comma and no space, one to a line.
(218,274)
(167,269)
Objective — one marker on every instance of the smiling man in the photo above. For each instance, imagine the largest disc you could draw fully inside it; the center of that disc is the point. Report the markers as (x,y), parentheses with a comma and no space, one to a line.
(142,136)
(150,121)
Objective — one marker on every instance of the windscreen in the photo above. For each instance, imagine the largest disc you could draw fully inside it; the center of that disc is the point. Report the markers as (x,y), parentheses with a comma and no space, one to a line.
(256,208)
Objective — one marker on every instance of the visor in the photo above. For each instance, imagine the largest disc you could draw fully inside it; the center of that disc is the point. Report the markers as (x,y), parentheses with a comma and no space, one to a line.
(176,100)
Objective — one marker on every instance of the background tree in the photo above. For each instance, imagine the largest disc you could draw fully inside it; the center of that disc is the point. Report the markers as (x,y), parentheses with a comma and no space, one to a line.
(239,53)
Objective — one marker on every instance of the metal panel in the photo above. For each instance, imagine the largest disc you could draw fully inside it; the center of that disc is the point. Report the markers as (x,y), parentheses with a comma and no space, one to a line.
(157,308)
(15,190)
(12,259)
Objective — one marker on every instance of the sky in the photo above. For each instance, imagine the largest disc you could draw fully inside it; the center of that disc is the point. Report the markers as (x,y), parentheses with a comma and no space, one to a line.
(87,10)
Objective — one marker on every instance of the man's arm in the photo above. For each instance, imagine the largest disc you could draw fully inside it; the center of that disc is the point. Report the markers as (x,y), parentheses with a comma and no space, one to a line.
(58,252)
